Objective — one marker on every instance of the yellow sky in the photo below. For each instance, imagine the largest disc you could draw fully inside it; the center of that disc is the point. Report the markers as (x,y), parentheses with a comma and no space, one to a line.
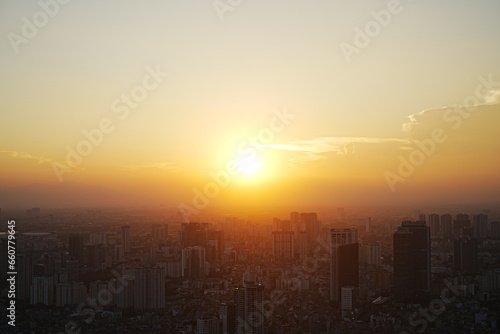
(153,99)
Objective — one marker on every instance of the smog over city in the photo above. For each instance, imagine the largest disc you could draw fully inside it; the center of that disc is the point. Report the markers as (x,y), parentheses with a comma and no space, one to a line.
(234,167)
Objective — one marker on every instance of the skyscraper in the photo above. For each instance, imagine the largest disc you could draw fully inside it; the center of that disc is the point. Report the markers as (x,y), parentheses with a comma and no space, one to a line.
(465,254)
(412,262)
(159,233)
(495,229)
(446,226)
(348,261)
(193,262)
(250,313)
(461,221)
(310,221)
(126,239)
(194,234)
(149,288)
(338,238)
(228,317)
(480,224)
(76,247)
(434,224)
(371,253)
(283,245)
(215,240)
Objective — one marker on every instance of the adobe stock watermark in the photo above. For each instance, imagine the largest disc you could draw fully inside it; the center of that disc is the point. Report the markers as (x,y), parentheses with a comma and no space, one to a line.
(427,147)
(363,37)
(31,26)
(223,6)
(248,149)
(436,307)
(121,106)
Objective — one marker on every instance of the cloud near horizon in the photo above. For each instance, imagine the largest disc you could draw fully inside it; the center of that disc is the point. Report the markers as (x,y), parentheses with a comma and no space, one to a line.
(318,148)
(26,156)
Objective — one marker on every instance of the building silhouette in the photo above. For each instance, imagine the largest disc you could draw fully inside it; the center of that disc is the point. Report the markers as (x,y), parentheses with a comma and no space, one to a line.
(480,224)
(76,247)
(341,270)
(126,239)
(249,309)
(283,245)
(412,262)
(465,254)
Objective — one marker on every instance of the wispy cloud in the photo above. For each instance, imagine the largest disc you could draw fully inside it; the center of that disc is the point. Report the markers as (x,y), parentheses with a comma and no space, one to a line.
(158,166)
(25,156)
(492,97)
(317,148)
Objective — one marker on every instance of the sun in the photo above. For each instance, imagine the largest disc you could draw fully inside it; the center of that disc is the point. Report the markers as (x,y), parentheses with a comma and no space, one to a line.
(249,167)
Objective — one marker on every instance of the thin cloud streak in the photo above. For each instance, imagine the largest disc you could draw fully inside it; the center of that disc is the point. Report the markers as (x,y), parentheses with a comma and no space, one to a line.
(316,148)
(26,156)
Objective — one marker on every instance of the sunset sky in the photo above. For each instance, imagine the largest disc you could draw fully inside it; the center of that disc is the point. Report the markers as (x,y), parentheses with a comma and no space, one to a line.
(214,78)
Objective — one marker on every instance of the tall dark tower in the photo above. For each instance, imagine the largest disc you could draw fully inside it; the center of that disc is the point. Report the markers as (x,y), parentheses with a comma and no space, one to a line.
(249,309)
(76,247)
(465,254)
(412,262)
(343,261)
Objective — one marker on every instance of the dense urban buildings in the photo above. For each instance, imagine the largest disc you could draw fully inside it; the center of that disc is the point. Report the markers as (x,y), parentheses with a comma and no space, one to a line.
(231,275)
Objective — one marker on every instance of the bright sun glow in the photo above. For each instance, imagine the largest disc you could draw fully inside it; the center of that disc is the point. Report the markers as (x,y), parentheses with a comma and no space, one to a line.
(249,166)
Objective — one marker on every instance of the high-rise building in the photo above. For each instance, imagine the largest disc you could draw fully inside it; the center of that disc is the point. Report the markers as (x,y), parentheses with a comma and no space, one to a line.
(194,234)
(368,223)
(348,261)
(76,247)
(250,312)
(95,256)
(480,224)
(446,226)
(495,229)
(125,289)
(283,245)
(461,221)
(25,276)
(98,238)
(412,262)
(294,218)
(42,291)
(310,221)
(349,299)
(159,233)
(465,254)
(73,269)
(126,239)
(371,253)
(228,318)
(434,223)
(338,238)
(149,288)
(193,262)
(282,225)
(215,242)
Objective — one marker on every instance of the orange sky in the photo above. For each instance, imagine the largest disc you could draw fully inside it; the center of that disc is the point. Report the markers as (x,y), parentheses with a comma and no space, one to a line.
(151,101)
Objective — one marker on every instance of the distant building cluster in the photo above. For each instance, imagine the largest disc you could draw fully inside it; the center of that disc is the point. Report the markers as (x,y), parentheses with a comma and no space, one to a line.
(348,272)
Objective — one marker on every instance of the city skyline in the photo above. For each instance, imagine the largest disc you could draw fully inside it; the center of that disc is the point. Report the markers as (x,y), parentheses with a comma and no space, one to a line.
(325,104)
(234,166)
